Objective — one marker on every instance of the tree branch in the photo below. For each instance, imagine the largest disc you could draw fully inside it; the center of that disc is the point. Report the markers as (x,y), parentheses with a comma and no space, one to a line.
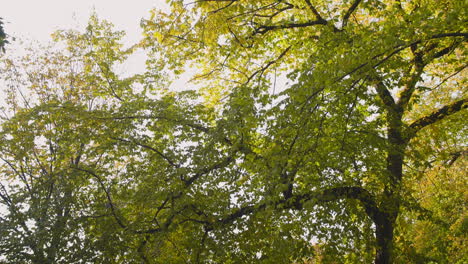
(385,96)
(353,192)
(396,49)
(458,70)
(438,115)
(446,50)
(265,29)
(452,34)
(231,2)
(166,158)
(176,121)
(412,80)
(350,11)
(223,163)
(314,10)
(297,201)
(266,66)
(108,196)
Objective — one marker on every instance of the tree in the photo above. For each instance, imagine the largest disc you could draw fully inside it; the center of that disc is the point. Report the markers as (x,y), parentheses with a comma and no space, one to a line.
(344,130)
(50,201)
(243,170)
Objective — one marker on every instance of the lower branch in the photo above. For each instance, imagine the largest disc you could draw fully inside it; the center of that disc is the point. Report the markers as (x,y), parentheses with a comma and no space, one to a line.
(297,202)
(354,192)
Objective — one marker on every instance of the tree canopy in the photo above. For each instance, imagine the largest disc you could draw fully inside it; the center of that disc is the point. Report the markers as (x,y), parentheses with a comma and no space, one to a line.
(320,132)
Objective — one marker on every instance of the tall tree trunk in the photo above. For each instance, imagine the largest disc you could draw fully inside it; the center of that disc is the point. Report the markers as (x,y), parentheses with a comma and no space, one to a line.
(384,236)
(390,206)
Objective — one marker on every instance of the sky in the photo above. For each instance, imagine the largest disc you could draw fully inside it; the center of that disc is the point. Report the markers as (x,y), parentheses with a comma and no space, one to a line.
(37,19)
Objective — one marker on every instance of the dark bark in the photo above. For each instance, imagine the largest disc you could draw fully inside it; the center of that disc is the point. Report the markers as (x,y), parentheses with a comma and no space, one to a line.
(384,235)
(395,155)
(390,205)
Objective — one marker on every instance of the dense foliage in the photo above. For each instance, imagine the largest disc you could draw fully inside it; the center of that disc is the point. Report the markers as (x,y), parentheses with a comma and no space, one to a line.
(359,157)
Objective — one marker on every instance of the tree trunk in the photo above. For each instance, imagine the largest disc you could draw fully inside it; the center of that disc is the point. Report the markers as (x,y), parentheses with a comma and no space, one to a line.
(384,237)
(390,206)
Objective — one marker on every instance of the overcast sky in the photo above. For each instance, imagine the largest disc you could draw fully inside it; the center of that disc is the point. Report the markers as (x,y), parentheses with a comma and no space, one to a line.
(37,19)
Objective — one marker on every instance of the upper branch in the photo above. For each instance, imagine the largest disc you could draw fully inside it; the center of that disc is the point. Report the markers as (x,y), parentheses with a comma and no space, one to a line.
(160,153)
(231,2)
(413,79)
(385,95)
(438,115)
(420,62)
(266,66)
(264,29)
(447,50)
(318,16)
(395,50)
(161,117)
(223,163)
(315,11)
(350,11)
